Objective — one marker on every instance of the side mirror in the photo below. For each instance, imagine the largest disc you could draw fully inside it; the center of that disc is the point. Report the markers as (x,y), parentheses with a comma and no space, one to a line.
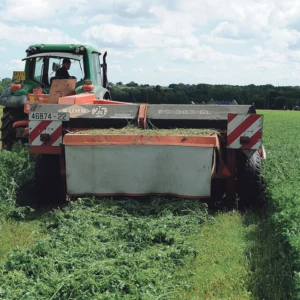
(55,67)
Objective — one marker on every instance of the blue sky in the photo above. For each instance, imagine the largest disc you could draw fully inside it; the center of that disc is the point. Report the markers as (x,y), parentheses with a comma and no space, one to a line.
(162,42)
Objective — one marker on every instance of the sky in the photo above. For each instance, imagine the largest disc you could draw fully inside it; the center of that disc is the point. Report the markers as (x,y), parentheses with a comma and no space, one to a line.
(153,42)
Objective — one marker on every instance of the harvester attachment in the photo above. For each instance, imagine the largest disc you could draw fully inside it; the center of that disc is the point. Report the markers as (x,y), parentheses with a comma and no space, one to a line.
(108,148)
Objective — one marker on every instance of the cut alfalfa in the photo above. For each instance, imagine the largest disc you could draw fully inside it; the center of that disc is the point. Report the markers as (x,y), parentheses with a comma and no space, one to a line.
(138,131)
(108,249)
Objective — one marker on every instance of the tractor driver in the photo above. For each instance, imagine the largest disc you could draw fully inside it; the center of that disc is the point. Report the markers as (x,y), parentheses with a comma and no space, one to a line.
(63,71)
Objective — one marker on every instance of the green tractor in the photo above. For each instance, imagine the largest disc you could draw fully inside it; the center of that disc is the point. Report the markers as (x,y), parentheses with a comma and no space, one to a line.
(42,63)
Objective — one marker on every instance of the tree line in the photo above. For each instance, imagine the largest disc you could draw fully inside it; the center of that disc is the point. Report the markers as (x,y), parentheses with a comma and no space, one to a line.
(4,83)
(263,96)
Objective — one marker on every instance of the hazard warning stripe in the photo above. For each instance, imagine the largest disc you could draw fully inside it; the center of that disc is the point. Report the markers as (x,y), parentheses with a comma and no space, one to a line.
(244,126)
(56,137)
(38,128)
(53,128)
(237,130)
(255,141)
(249,132)
(235,121)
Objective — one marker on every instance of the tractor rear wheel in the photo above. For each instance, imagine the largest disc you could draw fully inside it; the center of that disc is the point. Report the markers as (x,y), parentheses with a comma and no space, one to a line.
(49,188)
(249,181)
(8,133)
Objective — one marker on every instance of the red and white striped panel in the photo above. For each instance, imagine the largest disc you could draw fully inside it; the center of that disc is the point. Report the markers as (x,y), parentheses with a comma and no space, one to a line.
(244,126)
(53,128)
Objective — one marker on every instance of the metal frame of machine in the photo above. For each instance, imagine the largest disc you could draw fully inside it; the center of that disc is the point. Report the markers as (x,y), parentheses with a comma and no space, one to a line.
(53,130)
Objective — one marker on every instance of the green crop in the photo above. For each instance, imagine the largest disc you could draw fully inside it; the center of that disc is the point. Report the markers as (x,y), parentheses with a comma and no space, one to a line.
(103,249)
(282,178)
(17,167)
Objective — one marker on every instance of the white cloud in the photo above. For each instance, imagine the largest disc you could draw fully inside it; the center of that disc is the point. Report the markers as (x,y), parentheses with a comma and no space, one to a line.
(285,14)
(160,69)
(138,70)
(12,65)
(20,35)
(283,38)
(224,41)
(227,30)
(179,71)
(75,21)
(234,31)
(37,10)
(231,10)
(132,8)
(202,53)
(116,67)
(268,55)
(136,37)
(17,64)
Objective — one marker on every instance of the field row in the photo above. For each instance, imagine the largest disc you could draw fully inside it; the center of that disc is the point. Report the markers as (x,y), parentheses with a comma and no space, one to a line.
(282,177)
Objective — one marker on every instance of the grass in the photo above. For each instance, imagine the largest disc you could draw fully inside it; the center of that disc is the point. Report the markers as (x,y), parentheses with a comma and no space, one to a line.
(269,265)
(107,250)
(282,174)
(221,269)
(15,230)
(160,249)
(240,257)
(18,235)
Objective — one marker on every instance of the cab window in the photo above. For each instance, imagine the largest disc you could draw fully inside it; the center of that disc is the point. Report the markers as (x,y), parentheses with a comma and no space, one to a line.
(44,68)
(76,69)
(97,68)
(39,69)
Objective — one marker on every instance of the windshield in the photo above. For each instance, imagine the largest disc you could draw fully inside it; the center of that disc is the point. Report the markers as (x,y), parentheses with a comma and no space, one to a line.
(46,67)
(76,68)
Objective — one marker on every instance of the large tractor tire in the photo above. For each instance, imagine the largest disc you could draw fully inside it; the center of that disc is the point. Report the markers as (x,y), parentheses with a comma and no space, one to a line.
(8,133)
(46,188)
(49,188)
(249,181)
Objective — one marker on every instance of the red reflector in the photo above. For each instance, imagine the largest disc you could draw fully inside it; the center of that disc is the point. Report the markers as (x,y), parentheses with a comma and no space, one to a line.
(16,87)
(244,140)
(88,87)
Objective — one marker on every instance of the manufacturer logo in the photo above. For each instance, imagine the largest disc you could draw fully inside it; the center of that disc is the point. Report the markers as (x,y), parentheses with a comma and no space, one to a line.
(75,110)
(99,111)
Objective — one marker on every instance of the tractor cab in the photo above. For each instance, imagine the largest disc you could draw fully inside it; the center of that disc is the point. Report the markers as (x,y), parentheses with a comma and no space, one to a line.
(88,70)
(44,66)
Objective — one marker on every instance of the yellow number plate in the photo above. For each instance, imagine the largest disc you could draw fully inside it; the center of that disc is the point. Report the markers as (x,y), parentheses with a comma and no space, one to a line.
(18,75)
